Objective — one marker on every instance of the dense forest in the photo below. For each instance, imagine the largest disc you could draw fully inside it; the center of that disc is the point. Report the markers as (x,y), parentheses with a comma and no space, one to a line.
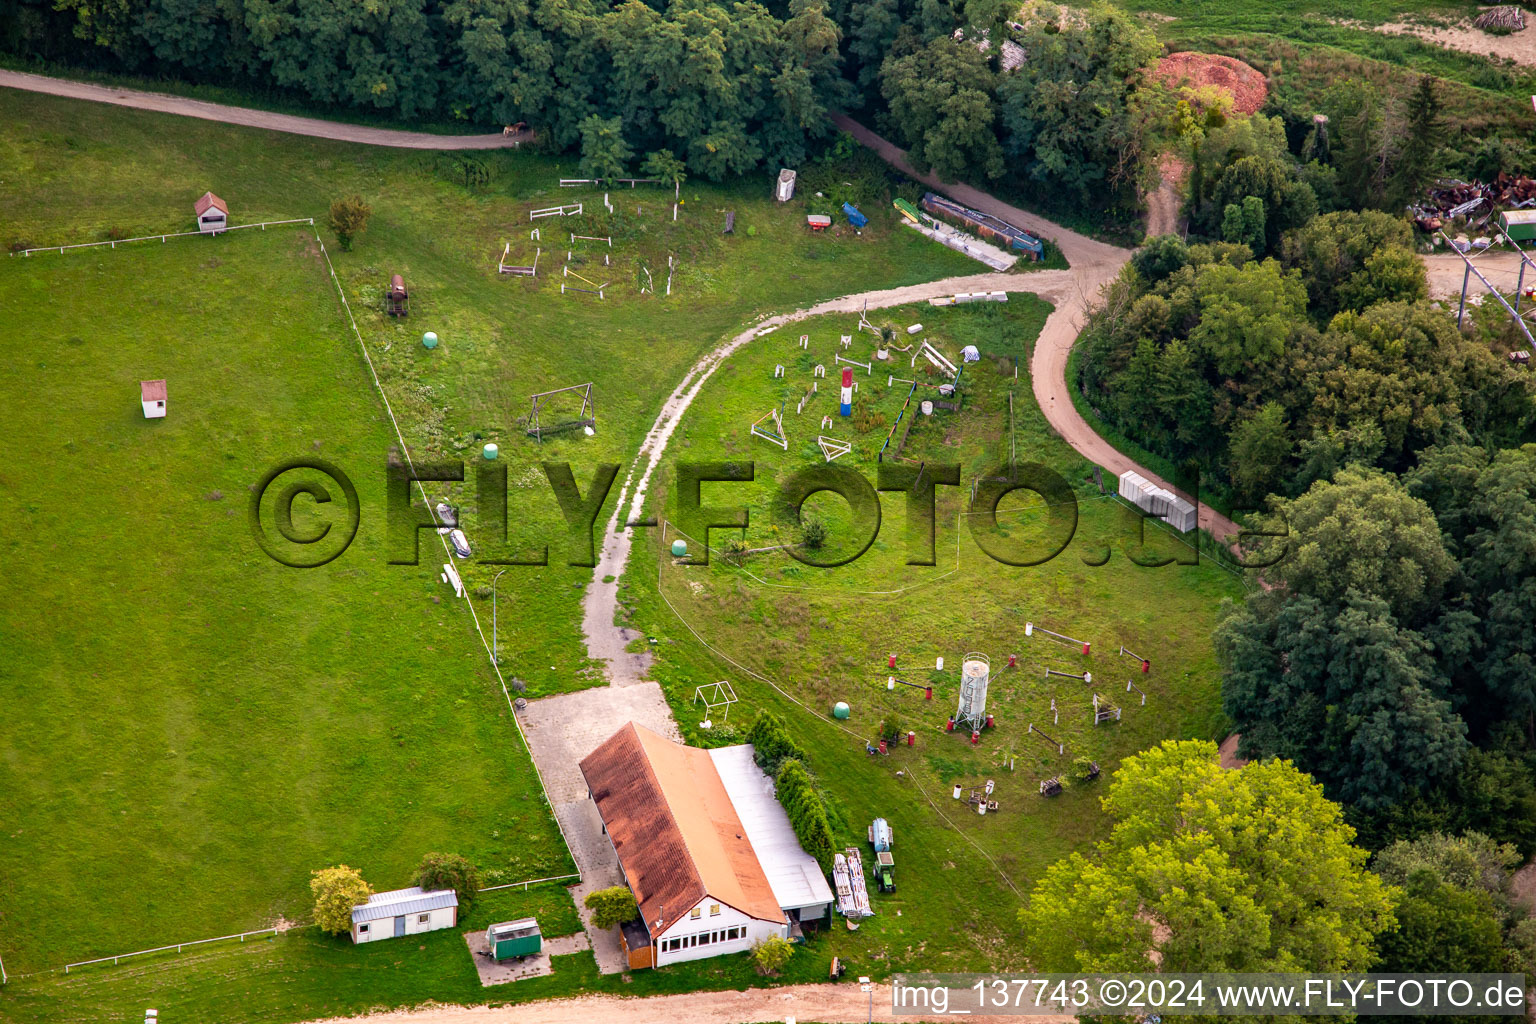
(717,89)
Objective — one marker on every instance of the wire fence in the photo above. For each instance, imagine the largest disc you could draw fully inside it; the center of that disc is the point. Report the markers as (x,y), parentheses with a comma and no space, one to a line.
(273,932)
(178,947)
(531,881)
(115,242)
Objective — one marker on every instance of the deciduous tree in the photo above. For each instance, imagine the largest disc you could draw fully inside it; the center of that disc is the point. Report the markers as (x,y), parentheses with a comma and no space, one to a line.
(1209,870)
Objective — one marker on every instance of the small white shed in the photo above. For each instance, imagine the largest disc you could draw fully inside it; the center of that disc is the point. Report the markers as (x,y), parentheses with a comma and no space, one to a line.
(152,395)
(212,213)
(401,912)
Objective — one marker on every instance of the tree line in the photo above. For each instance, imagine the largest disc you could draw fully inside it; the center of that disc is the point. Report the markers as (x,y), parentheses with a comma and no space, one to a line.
(711,87)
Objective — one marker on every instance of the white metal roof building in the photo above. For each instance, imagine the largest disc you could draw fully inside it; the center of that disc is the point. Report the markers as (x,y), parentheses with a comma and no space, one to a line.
(405,912)
(794,876)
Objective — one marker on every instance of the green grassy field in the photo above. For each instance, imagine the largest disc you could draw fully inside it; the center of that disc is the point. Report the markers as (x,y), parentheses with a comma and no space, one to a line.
(794,639)
(191,727)
(227,724)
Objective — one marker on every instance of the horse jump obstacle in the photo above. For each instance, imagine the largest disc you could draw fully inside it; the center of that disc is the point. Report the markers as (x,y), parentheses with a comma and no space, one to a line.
(810,394)
(1129,686)
(1086,677)
(1104,711)
(555,211)
(847,340)
(1146,666)
(1030,629)
(587,417)
(1061,748)
(826,423)
(503,267)
(594,238)
(779,438)
(820,371)
(840,358)
(935,357)
(831,447)
(778,371)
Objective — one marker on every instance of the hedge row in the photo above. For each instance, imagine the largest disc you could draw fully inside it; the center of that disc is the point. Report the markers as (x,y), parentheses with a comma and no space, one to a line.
(771,743)
(807,811)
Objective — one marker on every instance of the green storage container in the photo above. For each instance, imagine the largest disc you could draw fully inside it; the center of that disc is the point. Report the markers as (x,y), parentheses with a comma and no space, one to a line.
(514,938)
(1520,225)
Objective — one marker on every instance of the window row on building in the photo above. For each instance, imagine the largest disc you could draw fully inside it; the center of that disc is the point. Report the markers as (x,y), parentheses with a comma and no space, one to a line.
(702,939)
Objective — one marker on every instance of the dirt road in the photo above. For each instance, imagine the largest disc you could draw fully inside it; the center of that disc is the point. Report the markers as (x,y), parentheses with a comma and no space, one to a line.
(290,123)
(830,1004)
(1094,264)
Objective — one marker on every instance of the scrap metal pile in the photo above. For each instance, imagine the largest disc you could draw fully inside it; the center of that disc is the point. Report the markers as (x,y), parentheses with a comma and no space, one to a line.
(1476,201)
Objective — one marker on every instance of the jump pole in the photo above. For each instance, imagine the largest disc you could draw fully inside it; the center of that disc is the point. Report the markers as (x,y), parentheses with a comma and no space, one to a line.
(1129,686)
(1061,748)
(1030,629)
(1146,666)
(891,681)
(1086,677)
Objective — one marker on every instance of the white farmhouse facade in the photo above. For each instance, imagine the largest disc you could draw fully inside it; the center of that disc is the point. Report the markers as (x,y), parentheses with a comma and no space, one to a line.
(714,868)
(401,912)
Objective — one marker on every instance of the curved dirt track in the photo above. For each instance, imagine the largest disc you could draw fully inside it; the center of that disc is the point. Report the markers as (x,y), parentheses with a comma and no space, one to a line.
(290,123)
(1094,264)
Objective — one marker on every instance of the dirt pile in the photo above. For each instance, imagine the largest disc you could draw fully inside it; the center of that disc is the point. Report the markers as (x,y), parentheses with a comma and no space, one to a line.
(1247,87)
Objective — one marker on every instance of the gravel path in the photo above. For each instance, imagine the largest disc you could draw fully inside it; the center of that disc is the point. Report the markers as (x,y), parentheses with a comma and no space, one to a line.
(826,1003)
(290,123)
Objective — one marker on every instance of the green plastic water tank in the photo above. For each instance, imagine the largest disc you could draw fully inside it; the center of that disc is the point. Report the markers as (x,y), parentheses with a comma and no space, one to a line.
(429,339)
(841,710)
(490,450)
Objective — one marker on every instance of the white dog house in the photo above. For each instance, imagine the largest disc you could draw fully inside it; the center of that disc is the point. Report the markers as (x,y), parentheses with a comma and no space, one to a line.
(152,394)
(212,213)
(392,915)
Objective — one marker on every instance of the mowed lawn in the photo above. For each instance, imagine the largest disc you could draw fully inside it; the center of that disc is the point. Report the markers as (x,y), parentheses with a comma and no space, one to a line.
(77,172)
(190,728)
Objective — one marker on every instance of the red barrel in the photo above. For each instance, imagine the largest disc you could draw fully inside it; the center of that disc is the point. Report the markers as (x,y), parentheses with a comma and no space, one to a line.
(927,693)
(1085,648)
(975,737)
(882,746)
(892,662)
(950,727)
(1013,661)
(1146,666)
(989,721)
(911,738)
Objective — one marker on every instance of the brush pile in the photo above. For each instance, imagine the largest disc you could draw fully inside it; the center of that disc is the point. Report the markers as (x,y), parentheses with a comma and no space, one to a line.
(1504,18)
(1476,201)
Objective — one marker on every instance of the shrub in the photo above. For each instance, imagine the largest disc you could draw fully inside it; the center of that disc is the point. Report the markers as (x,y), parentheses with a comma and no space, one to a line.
(892,727)
(814,532)
(450,871)
(771,954)
(612,906)
(349,218)
(1083,768)
(337,890)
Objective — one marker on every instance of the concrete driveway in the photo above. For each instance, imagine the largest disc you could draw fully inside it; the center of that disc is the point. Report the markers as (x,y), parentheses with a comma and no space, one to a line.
(561,731)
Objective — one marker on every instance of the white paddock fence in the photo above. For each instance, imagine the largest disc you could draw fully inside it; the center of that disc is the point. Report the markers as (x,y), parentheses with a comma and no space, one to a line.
(115,242)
